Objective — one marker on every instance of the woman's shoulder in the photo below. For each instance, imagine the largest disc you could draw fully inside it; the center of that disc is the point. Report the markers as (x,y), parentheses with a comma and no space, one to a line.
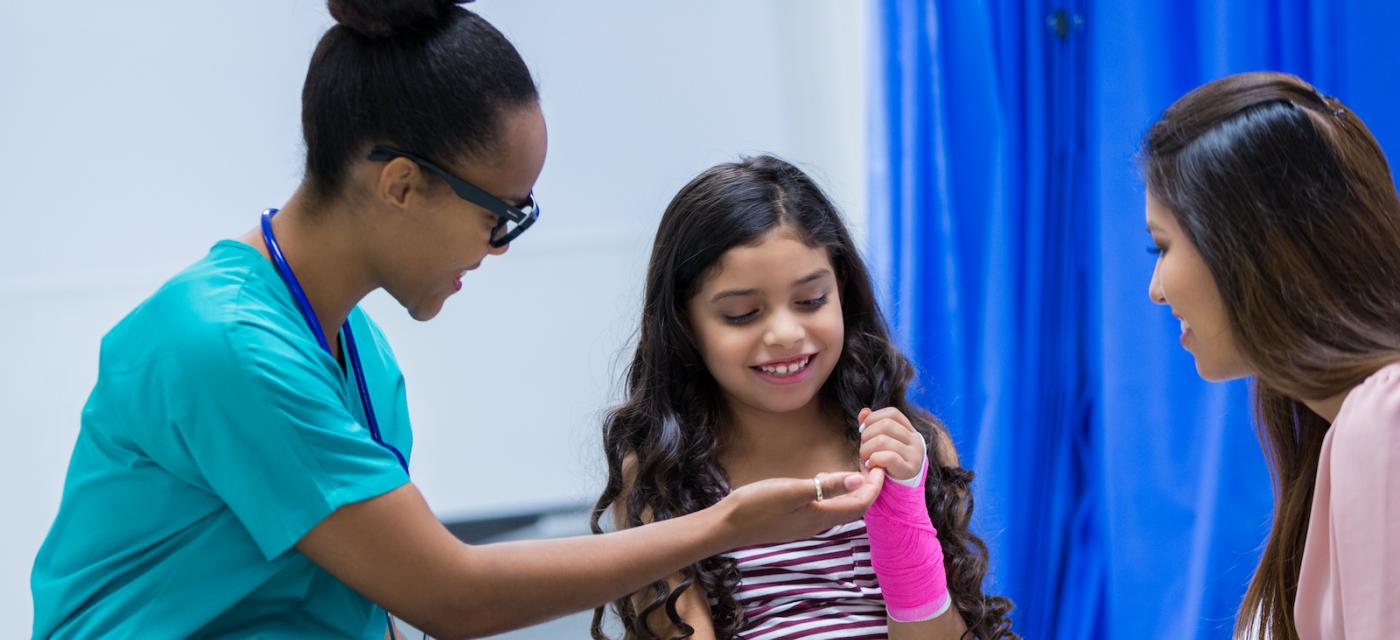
(226,286)
(1369,421)
(227,312)
(189,313)
(1375,400)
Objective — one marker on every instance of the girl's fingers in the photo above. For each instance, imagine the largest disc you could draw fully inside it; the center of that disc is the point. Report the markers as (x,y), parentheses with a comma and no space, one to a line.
(889,413)
(896,465)
(878,443)
(890,429)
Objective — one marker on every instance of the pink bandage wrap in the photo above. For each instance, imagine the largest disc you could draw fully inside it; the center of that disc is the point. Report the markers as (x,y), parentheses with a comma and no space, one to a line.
(905,553)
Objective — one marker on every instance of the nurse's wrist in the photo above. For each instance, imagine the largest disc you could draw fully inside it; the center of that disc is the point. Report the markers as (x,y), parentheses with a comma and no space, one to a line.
(742,518)
(715,527)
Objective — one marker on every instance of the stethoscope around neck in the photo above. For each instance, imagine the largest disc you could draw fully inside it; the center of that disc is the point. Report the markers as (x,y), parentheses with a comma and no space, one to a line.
(309,315)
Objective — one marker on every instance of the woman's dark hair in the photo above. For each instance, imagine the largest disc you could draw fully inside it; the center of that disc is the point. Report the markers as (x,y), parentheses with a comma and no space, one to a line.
(426,76)
(1291,205)
(668,431)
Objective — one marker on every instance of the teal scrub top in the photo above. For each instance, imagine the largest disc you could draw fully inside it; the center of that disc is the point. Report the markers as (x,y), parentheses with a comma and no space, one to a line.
(218,434)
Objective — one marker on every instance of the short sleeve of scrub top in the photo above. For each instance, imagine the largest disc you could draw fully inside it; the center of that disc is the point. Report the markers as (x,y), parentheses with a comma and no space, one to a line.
(218,434)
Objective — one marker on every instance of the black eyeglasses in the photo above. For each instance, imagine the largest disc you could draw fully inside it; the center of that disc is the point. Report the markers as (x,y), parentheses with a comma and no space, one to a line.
(511,221)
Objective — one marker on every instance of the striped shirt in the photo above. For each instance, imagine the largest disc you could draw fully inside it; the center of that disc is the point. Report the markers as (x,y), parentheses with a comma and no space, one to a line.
(821,587)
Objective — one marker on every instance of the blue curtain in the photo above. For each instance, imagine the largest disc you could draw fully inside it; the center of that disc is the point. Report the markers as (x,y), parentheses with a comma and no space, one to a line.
(1120,496)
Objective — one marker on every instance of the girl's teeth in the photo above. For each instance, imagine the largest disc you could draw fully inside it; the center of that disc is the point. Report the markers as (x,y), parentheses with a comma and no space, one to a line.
(786,369)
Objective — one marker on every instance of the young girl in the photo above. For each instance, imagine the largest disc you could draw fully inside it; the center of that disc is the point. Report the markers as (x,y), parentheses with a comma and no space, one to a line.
(1277,228)
(762,353)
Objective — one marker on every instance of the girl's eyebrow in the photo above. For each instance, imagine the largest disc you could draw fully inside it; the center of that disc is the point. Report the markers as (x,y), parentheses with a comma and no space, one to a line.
(731,293)
(815,275)
(734,293)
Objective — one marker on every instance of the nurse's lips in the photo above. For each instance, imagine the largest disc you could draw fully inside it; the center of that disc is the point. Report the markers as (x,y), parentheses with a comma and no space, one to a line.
(457,283)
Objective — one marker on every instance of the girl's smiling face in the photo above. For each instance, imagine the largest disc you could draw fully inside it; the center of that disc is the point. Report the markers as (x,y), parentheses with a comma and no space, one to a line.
(768,324)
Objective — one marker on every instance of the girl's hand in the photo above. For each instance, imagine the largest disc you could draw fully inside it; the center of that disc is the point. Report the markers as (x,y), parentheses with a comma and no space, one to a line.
(888,441)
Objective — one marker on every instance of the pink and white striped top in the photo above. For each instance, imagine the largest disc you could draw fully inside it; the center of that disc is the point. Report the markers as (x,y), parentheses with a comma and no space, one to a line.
(818,588)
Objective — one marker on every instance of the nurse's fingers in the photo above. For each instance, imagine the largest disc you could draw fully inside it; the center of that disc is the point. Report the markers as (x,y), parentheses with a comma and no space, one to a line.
(853,504)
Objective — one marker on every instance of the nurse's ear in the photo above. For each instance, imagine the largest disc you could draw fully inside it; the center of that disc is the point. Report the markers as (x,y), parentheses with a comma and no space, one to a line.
(399,182)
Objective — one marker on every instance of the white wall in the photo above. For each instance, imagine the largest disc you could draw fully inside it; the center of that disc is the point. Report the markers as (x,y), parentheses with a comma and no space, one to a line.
(137,134)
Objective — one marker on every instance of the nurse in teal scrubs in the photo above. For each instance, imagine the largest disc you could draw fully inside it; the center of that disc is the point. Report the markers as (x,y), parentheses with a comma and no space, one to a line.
(242,467)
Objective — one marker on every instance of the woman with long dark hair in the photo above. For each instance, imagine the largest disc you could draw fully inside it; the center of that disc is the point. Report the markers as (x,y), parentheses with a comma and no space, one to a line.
(762,353)
(1277,225)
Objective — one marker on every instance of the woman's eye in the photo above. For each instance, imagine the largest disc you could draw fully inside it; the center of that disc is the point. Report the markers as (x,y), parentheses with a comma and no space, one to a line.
(741,319)
(814,302)
(1155,250)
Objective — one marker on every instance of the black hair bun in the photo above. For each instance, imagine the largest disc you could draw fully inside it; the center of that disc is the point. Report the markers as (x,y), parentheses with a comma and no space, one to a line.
(384,18)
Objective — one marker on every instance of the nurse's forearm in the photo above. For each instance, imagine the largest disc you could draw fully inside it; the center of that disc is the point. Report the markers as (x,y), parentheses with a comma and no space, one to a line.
(580,573)
(395,552)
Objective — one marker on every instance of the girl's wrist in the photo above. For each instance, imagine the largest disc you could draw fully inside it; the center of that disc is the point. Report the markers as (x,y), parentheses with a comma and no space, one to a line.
(923,466)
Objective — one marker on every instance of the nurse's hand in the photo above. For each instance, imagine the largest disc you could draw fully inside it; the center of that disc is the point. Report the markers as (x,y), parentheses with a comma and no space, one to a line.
(783,509)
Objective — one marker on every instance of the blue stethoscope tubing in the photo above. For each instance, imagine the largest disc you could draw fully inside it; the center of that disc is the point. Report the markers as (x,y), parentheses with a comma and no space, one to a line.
(309,315)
